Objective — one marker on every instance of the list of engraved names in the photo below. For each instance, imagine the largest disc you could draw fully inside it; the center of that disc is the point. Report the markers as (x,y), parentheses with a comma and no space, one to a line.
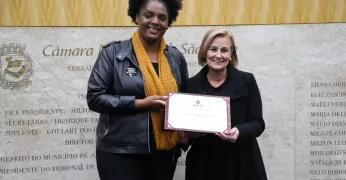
(327,133)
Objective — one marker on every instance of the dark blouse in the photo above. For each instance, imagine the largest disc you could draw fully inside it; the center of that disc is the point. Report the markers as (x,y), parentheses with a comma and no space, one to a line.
(151,132)
(218,151)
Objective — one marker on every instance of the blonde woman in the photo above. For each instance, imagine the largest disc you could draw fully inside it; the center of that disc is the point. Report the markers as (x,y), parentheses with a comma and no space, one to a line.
(236,154)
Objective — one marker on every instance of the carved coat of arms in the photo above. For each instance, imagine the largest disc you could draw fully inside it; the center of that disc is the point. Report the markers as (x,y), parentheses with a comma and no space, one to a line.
(16,66)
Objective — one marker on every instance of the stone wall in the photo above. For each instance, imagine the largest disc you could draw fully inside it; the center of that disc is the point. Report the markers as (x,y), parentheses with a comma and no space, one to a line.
(46,129)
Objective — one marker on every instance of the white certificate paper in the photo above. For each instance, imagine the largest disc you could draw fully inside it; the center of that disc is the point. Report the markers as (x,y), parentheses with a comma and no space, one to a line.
(198,113)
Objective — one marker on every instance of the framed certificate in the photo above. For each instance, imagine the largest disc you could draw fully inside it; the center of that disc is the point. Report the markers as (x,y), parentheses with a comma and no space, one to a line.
(197,113)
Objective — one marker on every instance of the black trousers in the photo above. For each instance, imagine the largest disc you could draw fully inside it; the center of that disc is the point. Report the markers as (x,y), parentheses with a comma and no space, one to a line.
(157,166)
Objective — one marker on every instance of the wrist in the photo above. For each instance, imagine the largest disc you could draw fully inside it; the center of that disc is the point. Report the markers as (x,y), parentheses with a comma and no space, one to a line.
(139,105)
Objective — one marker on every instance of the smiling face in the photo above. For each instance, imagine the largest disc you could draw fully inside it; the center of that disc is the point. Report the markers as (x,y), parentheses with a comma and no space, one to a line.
(152,21)
(219,53)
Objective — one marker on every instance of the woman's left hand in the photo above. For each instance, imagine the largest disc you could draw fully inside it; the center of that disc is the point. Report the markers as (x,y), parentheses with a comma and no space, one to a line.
(231,136)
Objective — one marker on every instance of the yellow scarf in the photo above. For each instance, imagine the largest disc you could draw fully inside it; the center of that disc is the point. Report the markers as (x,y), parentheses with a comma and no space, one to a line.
(154,85)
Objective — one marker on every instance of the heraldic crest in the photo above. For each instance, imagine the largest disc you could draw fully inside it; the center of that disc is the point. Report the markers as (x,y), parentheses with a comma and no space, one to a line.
(16,66)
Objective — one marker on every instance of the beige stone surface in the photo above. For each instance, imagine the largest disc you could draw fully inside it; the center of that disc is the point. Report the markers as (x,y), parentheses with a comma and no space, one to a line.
(46,129)
(320,115)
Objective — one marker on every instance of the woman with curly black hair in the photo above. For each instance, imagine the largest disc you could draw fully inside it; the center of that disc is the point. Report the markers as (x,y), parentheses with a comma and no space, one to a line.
(127,87)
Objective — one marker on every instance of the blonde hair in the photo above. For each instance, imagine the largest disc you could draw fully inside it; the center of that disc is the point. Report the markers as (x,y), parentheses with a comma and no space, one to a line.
(209,37)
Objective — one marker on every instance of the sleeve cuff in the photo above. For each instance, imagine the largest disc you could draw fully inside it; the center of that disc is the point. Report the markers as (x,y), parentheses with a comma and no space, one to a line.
(243,134)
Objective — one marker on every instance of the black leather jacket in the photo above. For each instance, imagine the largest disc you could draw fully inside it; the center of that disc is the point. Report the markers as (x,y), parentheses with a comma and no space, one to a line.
(114,84)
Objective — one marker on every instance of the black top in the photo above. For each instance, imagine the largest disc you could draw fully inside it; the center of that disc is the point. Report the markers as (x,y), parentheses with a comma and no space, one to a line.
(217,145)
(151,131)
(211,90)
(156,67)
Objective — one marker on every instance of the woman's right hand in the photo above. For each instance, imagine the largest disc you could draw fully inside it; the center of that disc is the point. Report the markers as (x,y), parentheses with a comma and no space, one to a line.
(151,103)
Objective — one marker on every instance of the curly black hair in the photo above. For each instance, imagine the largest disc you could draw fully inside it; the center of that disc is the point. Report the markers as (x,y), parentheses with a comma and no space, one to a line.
(173,7)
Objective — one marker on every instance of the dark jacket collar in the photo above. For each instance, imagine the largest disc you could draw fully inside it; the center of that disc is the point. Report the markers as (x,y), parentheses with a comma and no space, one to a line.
(235,82)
